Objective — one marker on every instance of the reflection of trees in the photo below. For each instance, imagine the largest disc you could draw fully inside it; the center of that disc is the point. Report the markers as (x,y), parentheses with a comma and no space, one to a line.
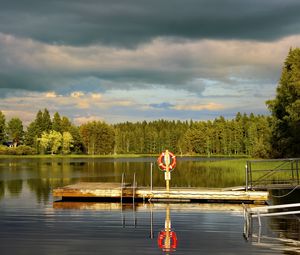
(186,174)
(50,174)
(47,173)
(41,188)
(2,189)
(195,174)
(286,227)
(14,187)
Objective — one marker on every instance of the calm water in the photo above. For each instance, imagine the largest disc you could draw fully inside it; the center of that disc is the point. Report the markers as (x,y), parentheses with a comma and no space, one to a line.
(32,222)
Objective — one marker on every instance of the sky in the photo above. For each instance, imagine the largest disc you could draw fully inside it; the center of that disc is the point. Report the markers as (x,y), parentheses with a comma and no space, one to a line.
(135,60)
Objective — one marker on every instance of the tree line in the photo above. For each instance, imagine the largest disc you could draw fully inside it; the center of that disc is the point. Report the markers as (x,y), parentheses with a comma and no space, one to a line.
(253,135)
(243,135)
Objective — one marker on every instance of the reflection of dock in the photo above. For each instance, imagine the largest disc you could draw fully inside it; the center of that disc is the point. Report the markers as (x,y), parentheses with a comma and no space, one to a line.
(110,191)
(117,206)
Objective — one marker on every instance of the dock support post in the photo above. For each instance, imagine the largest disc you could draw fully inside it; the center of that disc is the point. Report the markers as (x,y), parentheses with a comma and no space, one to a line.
(259,220)
(167,173)
(297,170)
(292,168)
(133,189)
(122,215)
(122,181)
(151,176)
(246,177)
(151,221)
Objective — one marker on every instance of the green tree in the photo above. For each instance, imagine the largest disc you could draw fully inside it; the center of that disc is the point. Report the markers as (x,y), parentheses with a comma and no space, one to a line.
(31,135)
(98,137)
(285,109)
(2,128)
(35,129)
(46,121)
(38,124)
(65,124)
(77,144)
(56,122)
(15,131)
(51,141)
(67,141)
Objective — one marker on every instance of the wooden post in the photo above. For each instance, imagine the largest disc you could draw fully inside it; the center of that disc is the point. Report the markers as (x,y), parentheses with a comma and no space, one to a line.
(246,177)
(297,169)
(151,176)
(133,189)
(122,181)
(151,221)
(168,228)
(167,173)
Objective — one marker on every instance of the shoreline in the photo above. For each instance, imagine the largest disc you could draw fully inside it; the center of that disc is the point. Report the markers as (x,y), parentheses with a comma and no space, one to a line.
(121,156)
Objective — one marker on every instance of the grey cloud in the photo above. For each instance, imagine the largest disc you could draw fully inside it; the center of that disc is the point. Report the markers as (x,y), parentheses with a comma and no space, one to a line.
(129,23)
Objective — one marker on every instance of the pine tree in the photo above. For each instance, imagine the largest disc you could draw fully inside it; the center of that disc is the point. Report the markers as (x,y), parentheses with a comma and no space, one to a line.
(46,121)
(2,128)
(38,124)
(285,109)
(15,130)
(65,124)
(56,122)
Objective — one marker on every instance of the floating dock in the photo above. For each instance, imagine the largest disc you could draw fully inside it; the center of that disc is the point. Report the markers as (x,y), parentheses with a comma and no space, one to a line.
(140,206)
(115,191)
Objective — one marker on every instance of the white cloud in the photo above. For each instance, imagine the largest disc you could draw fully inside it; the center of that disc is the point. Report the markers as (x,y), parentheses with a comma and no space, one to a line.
(199,107)
(96,96)
(85,119)
(77,94)
(51,94)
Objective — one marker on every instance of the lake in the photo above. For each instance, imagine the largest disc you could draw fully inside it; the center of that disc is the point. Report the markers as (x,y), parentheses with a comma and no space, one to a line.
(33,222)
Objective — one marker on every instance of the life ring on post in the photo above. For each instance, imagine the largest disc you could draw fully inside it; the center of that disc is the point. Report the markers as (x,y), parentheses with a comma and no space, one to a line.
(161,161)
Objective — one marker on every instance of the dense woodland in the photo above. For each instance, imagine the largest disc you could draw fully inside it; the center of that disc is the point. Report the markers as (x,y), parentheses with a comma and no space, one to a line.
(244,135)
(252,135)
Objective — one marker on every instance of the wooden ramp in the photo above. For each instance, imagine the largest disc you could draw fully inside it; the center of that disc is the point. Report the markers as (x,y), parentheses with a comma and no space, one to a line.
(102,190)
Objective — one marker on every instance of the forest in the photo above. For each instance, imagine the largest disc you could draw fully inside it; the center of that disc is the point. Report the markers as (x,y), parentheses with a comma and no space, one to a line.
(243,135)
(259,136)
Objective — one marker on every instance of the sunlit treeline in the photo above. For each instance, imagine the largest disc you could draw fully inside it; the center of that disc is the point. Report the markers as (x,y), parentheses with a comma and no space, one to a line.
(248,135)
(243,135)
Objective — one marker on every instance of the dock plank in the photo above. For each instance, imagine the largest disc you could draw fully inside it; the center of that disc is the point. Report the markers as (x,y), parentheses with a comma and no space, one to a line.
(113,190)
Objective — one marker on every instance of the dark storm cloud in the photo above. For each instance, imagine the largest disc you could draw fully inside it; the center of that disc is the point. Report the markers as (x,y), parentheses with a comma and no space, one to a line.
(128,23)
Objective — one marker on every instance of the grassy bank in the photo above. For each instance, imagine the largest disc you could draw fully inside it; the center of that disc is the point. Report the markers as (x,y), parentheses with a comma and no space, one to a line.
(118,156)
(227,163)
(77,156)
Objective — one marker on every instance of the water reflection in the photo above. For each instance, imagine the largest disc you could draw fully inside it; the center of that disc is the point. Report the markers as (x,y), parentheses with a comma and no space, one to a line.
(40,176)
(275,234)
(2,189)
(167,238)
(281,233)
(157,221)
(14,187)
(26,186)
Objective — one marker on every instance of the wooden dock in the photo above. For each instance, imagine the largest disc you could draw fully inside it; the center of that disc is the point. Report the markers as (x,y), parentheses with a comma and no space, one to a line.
(145,207)
(114,191)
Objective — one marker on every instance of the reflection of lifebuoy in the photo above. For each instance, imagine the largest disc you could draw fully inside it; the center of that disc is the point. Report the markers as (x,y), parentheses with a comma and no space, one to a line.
(162,238)
(161,163)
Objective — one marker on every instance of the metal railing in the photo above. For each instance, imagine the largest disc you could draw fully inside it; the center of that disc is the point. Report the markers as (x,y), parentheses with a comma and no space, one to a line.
(272,173)
(263,211)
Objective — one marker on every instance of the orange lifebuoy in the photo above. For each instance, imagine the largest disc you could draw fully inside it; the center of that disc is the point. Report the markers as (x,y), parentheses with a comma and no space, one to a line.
(161,240)
(162,164)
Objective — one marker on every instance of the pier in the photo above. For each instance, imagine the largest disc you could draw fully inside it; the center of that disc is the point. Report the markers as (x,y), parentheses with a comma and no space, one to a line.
(127,192)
